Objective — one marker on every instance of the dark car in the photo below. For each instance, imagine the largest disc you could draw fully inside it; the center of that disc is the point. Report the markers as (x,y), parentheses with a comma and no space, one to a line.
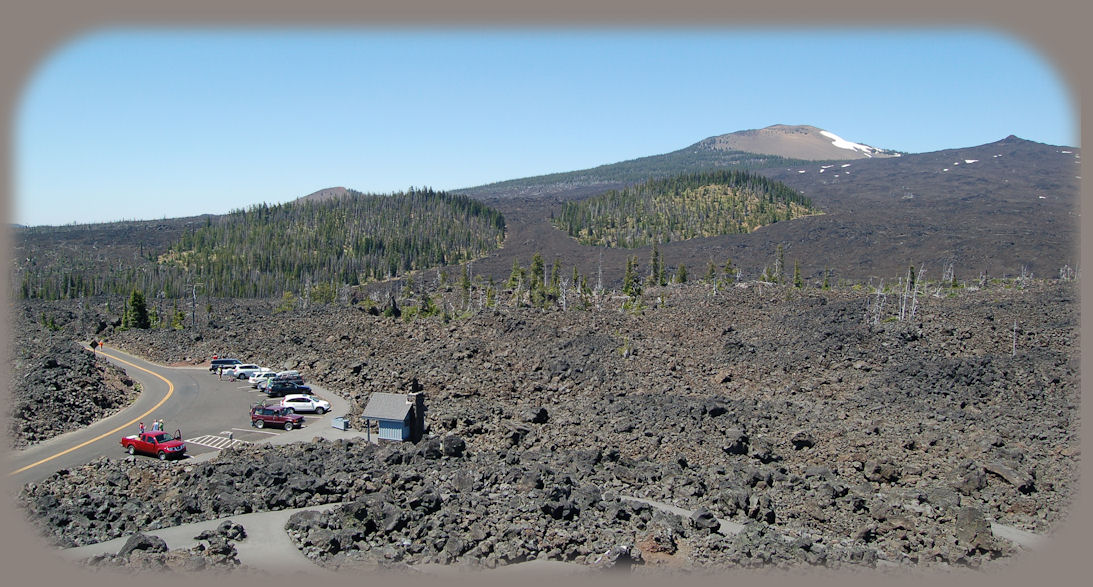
(275,388)
(223,363)
(262,416)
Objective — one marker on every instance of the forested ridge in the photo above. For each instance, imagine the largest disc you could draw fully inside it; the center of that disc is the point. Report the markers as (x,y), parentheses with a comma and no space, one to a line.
(694,159)
(680,208)
(266,250)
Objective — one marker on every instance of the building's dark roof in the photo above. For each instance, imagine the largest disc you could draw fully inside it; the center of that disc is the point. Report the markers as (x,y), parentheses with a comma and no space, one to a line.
(387,406)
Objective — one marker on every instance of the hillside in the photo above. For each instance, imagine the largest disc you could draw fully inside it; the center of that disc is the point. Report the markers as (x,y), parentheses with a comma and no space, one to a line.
(679,208)
(1014,208)
(313,246)
(795,141)
(768,148)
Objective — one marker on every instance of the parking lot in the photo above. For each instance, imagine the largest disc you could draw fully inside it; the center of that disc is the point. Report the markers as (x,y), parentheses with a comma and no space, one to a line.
(211,414)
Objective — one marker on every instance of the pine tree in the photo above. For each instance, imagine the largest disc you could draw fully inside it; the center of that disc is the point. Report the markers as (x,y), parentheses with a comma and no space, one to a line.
(656,270)
(516,277)
(138,311)
(797,283)
(178,318)
(730,271)
(631,285)
(681,274)
(537,271)
(780,265)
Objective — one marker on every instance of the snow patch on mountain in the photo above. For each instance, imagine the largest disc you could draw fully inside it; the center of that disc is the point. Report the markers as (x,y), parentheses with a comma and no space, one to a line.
(842,143)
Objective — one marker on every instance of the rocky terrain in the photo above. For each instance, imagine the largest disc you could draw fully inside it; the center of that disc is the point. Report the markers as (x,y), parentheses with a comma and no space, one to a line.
(142,552)
(59,387)
(837,432)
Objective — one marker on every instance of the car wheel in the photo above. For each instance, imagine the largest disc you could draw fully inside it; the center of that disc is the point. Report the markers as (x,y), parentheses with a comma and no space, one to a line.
(288,425)
(259,423)
(162,455)
(320,411)
(132,450)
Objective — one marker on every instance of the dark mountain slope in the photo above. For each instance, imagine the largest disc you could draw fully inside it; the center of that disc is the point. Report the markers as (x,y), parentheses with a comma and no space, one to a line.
(1015,205)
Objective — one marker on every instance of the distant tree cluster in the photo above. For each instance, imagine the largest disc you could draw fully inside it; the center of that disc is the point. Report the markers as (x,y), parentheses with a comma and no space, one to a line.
(680,208)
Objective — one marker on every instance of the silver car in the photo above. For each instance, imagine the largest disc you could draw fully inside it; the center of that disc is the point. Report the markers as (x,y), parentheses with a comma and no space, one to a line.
(258,378)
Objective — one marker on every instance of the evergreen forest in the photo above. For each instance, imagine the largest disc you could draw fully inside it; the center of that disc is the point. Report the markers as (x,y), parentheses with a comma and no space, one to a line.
(304,246)
(682,207)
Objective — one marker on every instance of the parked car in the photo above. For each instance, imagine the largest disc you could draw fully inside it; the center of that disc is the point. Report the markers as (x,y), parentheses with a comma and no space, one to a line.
(290,376)
(242,371)
(302,402)
(283,377)
(155,442)
(223,363)
(274,388)
(260,377)
(262,416)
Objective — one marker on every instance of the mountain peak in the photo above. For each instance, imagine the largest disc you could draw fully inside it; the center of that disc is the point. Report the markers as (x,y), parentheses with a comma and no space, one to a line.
(325,194)
(795,142)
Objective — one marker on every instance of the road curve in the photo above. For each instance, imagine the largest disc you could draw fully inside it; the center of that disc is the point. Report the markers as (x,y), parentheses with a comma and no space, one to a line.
(80,446)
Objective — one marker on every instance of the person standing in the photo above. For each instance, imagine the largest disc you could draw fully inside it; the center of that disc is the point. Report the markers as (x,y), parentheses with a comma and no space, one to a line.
(142,427)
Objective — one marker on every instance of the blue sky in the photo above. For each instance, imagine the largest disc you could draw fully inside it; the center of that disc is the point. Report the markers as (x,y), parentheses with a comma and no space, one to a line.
(153,123)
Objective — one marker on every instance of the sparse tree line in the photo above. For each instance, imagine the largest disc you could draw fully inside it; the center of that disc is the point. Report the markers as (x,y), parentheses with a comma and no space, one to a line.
(438,293)
(555,287)
(680,208)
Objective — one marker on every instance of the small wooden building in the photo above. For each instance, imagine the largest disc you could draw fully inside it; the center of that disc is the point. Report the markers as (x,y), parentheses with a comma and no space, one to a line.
(399,416)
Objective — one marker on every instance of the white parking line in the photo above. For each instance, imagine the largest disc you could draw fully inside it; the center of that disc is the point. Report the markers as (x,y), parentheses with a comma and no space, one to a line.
(217,442)
(256,430)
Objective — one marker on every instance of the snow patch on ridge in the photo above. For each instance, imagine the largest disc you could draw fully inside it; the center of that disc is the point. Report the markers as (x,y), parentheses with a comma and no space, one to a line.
(842,143)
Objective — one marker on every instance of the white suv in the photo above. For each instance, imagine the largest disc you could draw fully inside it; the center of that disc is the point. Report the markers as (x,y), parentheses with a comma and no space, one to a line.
(244,371)
(300,402)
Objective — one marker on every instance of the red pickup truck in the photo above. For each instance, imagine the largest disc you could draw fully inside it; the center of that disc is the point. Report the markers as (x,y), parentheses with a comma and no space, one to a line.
(157,443)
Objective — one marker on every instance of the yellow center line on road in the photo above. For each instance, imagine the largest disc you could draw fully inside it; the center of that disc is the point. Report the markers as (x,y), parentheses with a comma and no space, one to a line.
(170,390)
